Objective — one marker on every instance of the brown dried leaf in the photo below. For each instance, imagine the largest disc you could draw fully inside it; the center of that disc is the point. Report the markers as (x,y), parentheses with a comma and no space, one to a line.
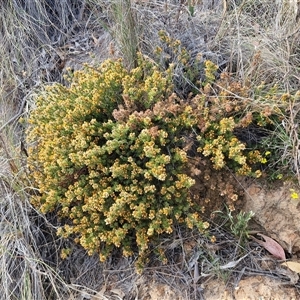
(292,265)
(270,245)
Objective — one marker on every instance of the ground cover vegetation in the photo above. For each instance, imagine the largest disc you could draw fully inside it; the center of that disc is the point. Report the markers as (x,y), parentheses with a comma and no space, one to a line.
(125,154)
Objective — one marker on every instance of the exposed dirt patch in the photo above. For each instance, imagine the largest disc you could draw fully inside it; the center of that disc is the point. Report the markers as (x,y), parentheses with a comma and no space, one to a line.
(161,291)
(277,213)
(251,288)
(263,288)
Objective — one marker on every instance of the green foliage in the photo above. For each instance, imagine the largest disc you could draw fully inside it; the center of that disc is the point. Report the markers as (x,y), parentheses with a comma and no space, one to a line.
(239,224)
(108,156)
(191,7)
(210,70)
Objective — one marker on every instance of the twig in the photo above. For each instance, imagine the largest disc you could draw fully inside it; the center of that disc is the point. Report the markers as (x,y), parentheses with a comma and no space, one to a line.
(16,116)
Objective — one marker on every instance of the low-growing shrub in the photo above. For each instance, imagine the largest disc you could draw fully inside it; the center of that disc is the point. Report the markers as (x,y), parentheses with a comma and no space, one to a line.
(111,153)
(238,122)
(107,154)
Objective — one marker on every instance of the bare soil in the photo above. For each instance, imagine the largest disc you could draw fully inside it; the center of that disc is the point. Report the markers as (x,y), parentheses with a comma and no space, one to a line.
(250,288)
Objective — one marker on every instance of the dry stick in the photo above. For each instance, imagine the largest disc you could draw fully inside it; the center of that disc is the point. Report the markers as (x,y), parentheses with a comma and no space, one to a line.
(16,116)
(81,11)
(179,10)
(11,163)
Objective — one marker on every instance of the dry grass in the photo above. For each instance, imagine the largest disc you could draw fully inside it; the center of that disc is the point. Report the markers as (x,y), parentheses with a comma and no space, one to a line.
(25,274)
(258,40)
(262,38)
(28,32)
(125,31)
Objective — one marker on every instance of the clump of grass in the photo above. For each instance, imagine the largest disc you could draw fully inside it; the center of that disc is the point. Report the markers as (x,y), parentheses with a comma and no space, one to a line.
(26,27)
(125,31)
(261,38)
(23,271)
(282,142)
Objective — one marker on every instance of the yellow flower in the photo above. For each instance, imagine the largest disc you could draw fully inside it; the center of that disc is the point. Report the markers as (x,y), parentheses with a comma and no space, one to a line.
(258,173)
(205,225)
(213,239)
(263,160)
(294,194)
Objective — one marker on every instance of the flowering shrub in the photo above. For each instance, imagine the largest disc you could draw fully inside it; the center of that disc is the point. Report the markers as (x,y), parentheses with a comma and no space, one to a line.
(218,141)
(108,156)
(109,153)
(237,123)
